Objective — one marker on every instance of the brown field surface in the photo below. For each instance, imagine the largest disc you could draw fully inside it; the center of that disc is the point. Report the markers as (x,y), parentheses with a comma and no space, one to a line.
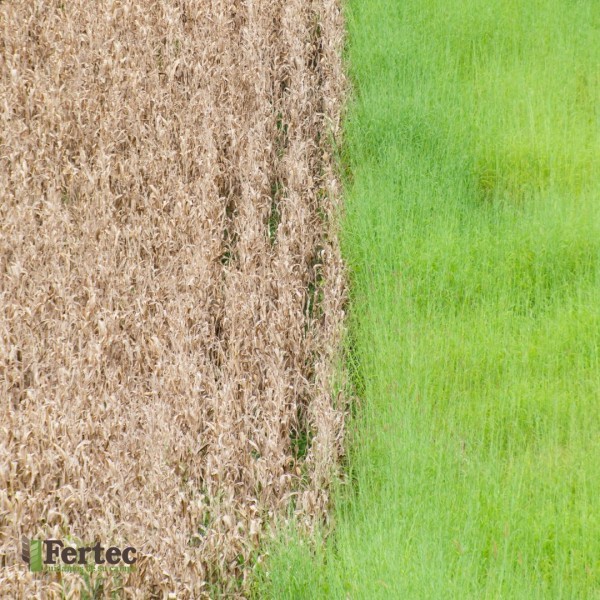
(171,292)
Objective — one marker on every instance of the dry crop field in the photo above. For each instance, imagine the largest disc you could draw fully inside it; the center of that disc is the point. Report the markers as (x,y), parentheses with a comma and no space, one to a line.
(171,291)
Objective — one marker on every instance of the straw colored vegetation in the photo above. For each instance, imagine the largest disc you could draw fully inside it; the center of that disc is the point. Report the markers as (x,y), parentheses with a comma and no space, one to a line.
(170,288)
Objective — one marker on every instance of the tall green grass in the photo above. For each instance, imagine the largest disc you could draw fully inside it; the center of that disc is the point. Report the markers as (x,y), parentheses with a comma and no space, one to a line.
(472,235)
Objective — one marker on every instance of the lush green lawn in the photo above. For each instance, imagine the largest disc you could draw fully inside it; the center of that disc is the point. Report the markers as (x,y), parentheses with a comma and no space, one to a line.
(472,235)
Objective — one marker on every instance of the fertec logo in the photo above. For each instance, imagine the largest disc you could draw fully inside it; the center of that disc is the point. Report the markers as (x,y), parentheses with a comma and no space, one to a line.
(55,555)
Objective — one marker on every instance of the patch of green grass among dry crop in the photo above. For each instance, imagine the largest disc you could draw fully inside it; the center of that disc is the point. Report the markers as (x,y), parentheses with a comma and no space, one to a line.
(472,236)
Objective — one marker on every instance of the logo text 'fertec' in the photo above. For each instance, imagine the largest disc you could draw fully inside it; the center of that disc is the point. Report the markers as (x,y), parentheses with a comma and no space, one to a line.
(54,555)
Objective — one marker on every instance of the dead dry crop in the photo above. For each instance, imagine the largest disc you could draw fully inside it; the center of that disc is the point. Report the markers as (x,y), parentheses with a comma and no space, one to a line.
(171,292)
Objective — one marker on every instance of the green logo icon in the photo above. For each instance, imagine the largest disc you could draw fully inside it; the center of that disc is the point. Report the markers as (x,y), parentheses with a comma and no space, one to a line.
(31,553)
(35,561)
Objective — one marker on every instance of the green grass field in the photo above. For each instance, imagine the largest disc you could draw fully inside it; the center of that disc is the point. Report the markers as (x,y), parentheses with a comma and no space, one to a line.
(472,235)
